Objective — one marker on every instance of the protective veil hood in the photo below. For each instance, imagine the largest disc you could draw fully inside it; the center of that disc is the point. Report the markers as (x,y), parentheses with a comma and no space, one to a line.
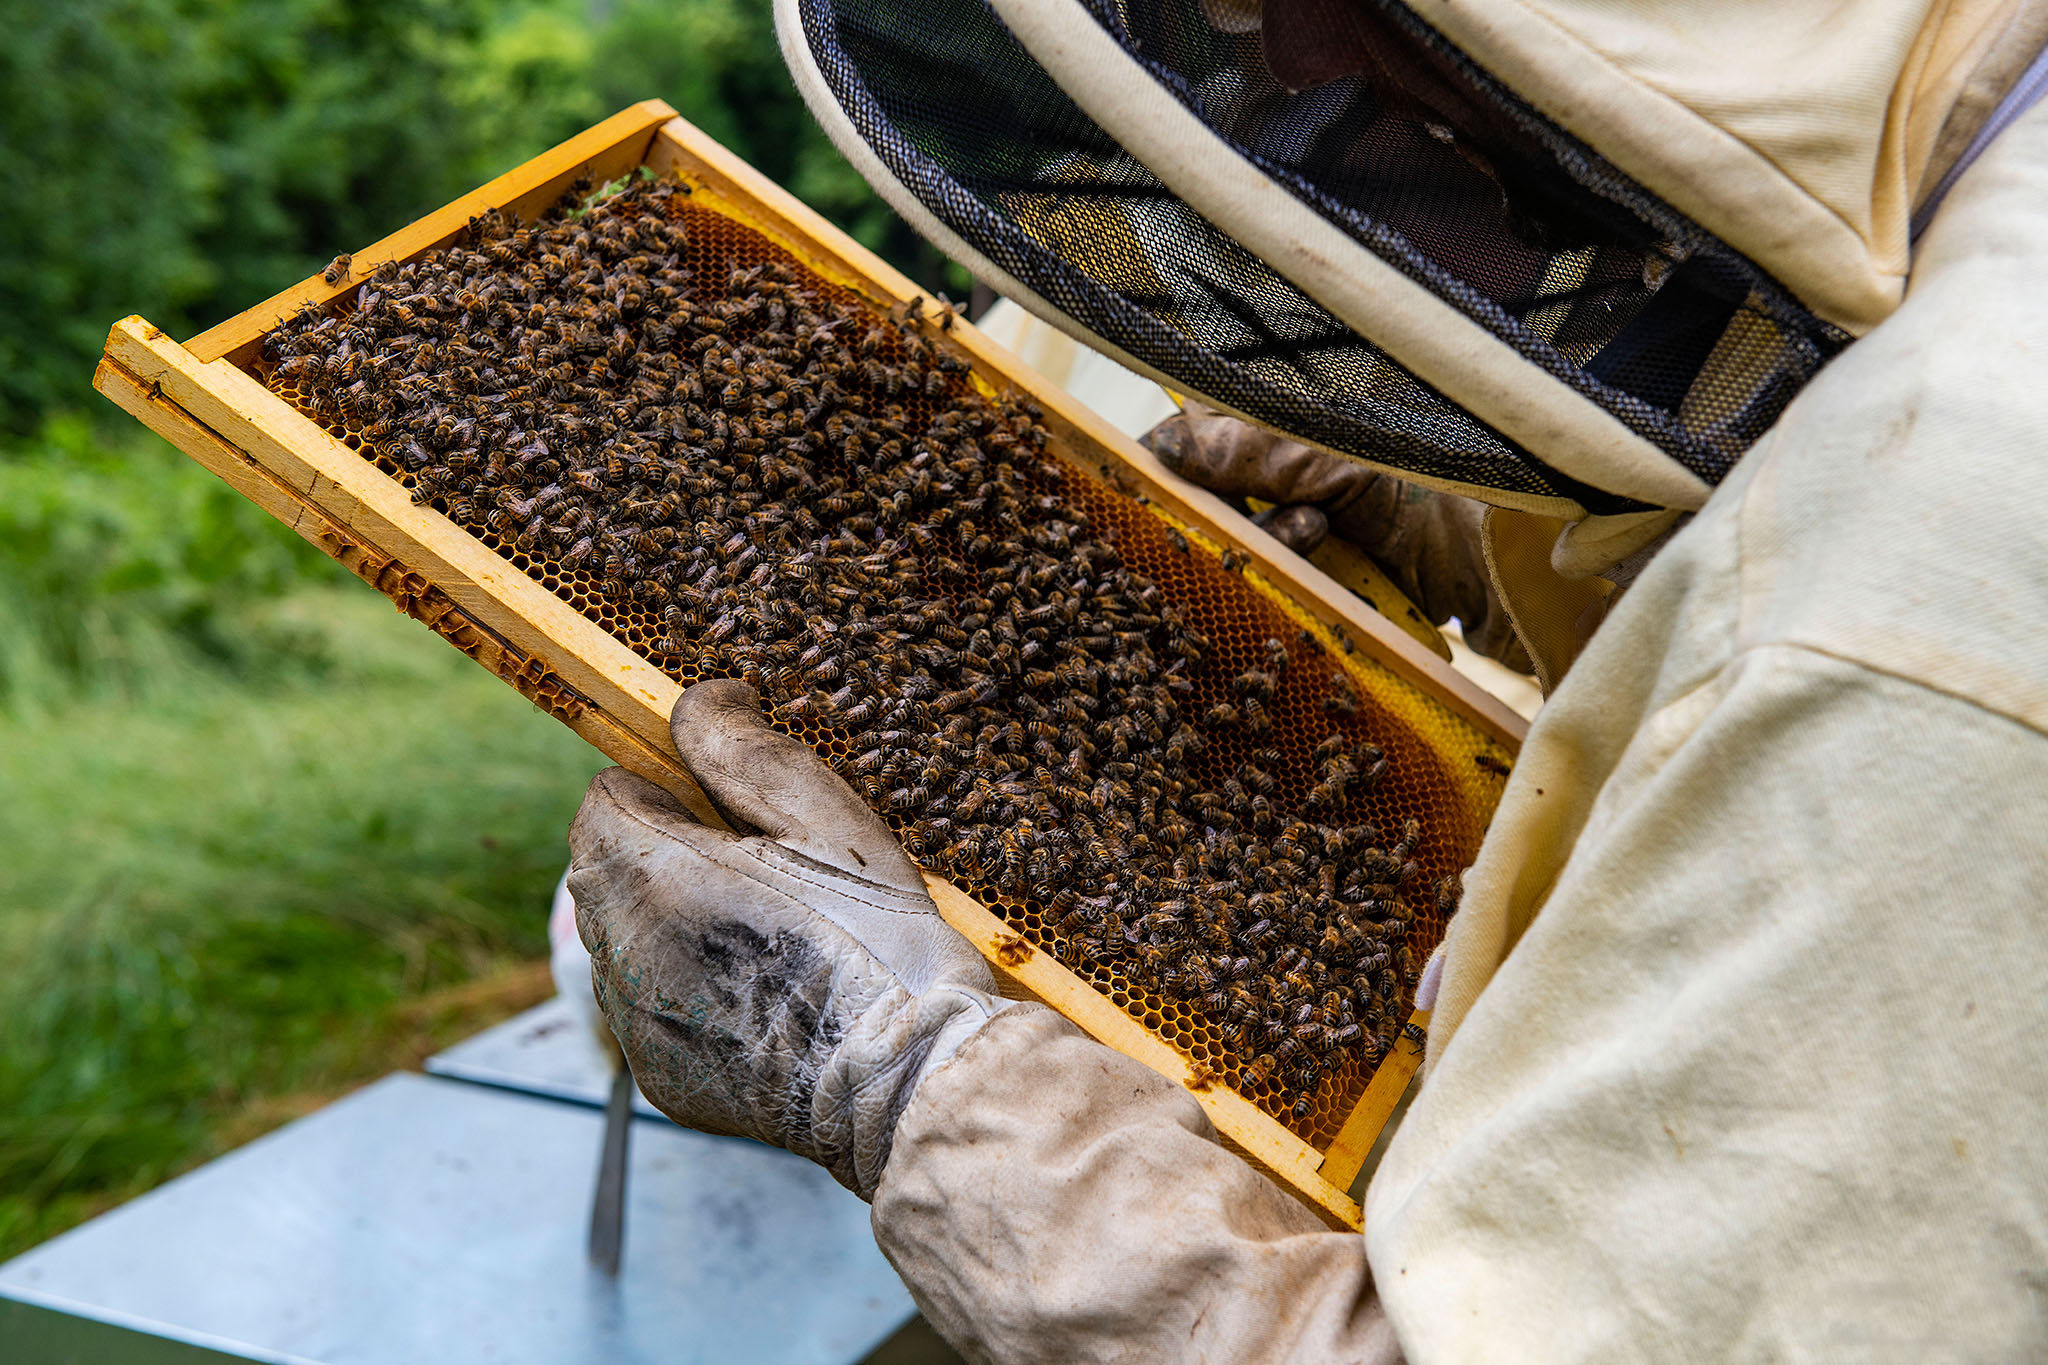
(1568,256)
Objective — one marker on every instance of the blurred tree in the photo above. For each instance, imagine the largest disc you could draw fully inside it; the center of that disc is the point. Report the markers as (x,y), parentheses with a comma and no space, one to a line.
(187,158)
(327,123)
(102,195)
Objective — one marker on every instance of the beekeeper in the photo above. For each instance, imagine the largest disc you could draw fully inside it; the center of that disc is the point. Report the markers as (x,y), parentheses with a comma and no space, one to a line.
(1739,1048)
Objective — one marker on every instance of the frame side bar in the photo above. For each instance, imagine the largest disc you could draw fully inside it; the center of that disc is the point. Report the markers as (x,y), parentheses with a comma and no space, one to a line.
(322,472)
(389,573)
(1347,1152)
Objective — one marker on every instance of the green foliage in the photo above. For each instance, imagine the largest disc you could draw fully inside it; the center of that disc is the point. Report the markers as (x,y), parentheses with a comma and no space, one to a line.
(185,159)
(247,813)
(102,196)
(122,568)
(323,124)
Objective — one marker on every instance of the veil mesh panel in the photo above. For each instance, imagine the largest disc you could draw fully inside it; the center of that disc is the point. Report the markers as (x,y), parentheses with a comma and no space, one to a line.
(1435,167)
(977,131)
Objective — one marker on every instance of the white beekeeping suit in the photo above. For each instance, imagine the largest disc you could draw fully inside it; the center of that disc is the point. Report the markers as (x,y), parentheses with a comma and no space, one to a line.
(1738,1050)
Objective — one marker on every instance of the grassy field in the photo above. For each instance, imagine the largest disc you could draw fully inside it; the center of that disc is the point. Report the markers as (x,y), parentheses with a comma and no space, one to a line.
(236,885)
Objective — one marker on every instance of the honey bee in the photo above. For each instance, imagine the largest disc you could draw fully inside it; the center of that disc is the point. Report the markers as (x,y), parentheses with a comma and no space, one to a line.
(1257,780)
(337,269)
(1255,683)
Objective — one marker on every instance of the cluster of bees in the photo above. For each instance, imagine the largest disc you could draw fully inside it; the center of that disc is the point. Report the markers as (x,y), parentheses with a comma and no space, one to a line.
(779,484)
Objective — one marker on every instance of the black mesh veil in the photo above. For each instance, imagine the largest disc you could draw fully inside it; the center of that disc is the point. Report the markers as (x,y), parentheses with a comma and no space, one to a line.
(1389,135)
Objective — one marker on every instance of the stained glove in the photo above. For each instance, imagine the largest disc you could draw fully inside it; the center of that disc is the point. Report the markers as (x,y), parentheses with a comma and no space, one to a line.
(1427,542)
(791,985)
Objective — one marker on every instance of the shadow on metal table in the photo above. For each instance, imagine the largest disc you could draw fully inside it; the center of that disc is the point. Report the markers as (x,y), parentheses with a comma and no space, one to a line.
(442,1218)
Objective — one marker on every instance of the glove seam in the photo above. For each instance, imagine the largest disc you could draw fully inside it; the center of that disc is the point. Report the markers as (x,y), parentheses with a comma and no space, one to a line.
(790,870)
(786,863)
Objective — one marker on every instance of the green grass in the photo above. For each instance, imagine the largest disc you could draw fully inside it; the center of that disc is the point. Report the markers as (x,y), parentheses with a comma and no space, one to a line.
(229,891)
(124,566)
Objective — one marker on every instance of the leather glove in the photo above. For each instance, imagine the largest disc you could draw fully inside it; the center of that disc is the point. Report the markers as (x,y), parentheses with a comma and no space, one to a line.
(791,985)
(1427,542)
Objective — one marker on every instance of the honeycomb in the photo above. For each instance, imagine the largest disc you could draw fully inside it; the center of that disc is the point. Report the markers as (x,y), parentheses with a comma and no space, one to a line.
(1441,772)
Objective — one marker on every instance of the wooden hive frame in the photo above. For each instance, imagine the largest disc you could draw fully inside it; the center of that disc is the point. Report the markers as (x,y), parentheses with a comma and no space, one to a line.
(200,396)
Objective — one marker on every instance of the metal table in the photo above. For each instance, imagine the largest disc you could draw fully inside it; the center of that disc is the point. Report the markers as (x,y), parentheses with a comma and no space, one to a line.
(439,1219)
